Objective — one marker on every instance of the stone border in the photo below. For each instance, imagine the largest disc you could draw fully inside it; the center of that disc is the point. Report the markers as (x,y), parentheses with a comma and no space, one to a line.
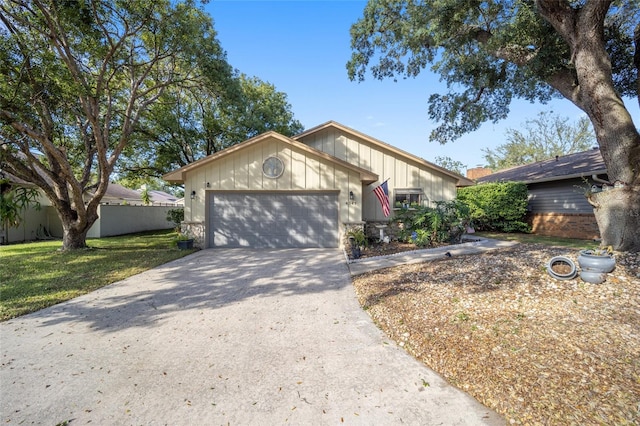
(471,241)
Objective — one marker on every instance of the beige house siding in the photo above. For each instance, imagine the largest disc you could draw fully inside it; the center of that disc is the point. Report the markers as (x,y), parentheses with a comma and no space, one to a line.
(328,158)
(242,171)
(401,171)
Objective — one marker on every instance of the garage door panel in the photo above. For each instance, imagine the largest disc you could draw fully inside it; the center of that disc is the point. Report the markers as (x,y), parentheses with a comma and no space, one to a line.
(274,220)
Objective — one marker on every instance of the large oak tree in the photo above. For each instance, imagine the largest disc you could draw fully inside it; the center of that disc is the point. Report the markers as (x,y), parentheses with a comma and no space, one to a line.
(78,76)
(188,124)
(491,51)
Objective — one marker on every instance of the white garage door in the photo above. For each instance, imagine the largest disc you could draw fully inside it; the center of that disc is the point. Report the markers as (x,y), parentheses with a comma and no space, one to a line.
(275,220)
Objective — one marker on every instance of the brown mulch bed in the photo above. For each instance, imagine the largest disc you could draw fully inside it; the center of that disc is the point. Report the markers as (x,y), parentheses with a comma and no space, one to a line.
(393,247)
(535,349)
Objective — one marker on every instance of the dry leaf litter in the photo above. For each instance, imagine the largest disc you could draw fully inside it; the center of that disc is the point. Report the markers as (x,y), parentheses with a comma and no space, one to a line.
(540,351)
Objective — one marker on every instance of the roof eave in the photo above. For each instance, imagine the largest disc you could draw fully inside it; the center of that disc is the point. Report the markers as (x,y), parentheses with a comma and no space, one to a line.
(174,177)
(551,178)
(565,177)
(178,176)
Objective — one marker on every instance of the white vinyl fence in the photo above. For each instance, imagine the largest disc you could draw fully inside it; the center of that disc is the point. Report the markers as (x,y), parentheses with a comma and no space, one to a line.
(113,220)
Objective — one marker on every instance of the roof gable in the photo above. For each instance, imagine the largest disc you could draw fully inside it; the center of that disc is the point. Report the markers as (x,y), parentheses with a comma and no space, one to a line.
(462,181)
(569,166)
(178,176)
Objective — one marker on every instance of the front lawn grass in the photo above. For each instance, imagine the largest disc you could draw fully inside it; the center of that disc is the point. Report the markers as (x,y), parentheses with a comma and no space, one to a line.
(36,275)
(541,239)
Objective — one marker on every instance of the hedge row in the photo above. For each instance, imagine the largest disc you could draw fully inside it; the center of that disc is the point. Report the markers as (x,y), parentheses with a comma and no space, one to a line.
(497,206)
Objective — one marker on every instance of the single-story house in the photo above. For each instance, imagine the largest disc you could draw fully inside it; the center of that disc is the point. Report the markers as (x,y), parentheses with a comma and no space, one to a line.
(557,202)
(303,191)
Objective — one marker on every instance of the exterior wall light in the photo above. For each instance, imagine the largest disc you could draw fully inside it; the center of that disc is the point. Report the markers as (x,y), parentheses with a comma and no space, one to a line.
(193,195)
(352,197)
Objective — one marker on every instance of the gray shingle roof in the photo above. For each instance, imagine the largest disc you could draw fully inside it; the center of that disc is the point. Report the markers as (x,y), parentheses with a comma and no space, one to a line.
(162,197)
(119,192)
(569,166)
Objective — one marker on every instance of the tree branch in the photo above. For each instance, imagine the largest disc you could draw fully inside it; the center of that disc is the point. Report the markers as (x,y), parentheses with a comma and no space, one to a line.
(636,58)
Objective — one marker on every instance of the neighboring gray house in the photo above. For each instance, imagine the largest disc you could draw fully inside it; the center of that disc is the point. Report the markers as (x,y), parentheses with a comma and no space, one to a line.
(557,187)
(161,198)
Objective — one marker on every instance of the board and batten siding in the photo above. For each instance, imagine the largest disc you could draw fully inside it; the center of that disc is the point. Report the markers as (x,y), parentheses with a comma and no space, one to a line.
(401,171)
(566,196)
(242,171)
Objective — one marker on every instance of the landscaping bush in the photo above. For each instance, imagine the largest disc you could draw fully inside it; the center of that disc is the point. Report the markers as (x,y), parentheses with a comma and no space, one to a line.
(176,216)
(497,206)
(359,237)
(426,226)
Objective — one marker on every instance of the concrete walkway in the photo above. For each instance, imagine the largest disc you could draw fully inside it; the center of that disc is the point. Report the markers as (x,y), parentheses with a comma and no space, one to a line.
(361,266)
(221,337)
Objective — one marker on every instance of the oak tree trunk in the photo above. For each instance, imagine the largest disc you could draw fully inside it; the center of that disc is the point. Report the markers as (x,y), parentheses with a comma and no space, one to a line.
(73,238)
(617,211)
(75,225)
(618,214)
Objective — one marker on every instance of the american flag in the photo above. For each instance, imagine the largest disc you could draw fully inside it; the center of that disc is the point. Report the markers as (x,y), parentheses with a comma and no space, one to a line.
(382,192)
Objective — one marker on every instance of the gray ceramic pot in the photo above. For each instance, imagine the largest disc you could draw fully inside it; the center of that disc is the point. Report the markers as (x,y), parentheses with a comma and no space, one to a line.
(593,277)
(596,263)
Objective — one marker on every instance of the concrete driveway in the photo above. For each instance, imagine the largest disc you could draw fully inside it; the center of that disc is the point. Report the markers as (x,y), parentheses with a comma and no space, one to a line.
(221,337)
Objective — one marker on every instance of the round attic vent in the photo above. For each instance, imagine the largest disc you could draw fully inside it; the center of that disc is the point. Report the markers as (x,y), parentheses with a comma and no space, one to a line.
(272,167)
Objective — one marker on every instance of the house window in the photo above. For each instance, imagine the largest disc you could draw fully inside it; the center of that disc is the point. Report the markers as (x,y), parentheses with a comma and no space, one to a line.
(405,198)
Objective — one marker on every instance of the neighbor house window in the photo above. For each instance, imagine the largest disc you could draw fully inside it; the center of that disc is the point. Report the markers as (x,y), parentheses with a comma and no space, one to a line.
(405,198)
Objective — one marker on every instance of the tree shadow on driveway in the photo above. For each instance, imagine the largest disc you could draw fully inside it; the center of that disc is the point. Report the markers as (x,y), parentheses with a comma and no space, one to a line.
(206,280)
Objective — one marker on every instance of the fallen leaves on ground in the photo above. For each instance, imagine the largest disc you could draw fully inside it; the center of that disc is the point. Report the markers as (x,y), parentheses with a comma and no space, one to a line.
(535,349)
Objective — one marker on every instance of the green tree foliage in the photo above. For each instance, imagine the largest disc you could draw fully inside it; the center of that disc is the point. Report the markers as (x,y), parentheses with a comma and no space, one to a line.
(452,165)
(541,138)
(189,124)
(261,109)
(489,52)
(145,196)
(14,199)
(78,80)
(497,206)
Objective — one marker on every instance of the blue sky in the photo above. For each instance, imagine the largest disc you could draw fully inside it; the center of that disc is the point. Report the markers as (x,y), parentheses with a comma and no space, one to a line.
(302,47)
